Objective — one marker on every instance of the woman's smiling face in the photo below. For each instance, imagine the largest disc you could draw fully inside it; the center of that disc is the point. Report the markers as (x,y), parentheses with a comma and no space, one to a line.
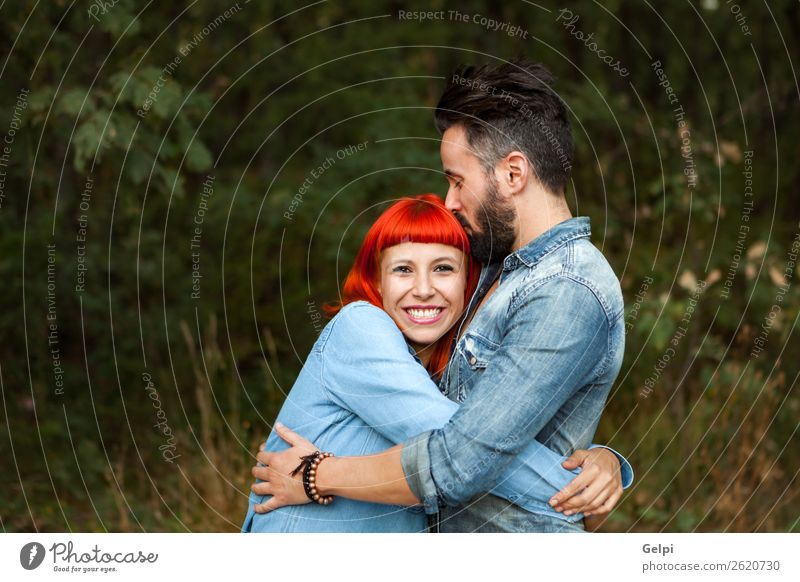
(422,286)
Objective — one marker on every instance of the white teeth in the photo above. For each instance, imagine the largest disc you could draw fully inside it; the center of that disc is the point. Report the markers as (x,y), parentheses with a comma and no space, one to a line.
(424,313)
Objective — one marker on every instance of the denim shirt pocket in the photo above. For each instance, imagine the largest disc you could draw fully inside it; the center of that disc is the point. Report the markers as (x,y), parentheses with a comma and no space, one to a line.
(474,353)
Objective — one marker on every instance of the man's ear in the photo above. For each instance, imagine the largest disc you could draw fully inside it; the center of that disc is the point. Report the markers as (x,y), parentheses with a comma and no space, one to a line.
(515,171)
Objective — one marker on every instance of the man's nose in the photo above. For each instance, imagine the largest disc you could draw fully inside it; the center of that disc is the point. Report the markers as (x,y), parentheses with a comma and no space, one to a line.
(452,201)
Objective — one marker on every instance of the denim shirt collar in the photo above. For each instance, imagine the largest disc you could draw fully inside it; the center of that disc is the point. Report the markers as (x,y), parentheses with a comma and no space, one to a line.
(548,241)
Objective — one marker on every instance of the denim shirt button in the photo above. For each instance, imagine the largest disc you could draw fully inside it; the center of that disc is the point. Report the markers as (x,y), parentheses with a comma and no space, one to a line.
(472,360)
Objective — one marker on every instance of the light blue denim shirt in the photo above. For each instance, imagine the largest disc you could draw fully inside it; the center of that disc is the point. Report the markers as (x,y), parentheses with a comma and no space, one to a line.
(535,363)
(362,391)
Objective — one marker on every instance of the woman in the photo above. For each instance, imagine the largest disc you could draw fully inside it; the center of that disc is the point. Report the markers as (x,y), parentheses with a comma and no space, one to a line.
(366,384)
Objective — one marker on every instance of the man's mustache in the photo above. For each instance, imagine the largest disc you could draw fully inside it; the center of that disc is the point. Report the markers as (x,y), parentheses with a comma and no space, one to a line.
(464,222)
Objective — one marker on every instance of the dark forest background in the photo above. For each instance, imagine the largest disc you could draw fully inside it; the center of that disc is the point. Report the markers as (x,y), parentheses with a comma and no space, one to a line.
(136,401)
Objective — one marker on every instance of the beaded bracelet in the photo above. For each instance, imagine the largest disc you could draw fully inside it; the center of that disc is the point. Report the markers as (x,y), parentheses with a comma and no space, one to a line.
(309,465)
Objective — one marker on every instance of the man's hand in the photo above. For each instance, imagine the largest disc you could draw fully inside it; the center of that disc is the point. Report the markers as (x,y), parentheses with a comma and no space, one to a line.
(274,470)
(596,490)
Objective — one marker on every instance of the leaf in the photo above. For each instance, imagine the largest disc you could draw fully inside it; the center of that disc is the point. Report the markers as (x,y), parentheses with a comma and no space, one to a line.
(74,102)
(41,98)
(198,158)
(86,139)
(116,18)
(138,165)
(173,182)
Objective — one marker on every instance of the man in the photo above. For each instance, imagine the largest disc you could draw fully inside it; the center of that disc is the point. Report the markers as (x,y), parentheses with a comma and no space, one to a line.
(543,339)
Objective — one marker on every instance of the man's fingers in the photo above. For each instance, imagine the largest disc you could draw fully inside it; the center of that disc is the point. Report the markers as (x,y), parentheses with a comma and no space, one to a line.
(602,492)
(612,495)
(610,503)
(288,435)
(264,458)
(578,503)
(575,460)
(264,488)
(260,472)
(595,504)
(270,505)
(612,492)
(574,487)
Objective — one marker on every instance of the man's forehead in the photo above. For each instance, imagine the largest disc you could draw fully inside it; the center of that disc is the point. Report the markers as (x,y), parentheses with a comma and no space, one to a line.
(454,137)
(457,156)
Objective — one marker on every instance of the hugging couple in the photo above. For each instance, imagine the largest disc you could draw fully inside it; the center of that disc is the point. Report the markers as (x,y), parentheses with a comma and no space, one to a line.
(459,383)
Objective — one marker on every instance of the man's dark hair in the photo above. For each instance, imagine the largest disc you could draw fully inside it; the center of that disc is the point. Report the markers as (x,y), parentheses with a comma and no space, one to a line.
(511,106)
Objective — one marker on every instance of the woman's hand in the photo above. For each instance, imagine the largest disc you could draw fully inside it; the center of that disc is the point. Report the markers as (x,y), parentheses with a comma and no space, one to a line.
(274,470)
(596,490)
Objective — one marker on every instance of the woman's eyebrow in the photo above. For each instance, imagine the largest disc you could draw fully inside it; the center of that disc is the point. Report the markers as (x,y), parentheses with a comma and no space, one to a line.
(436,260)
(452,174)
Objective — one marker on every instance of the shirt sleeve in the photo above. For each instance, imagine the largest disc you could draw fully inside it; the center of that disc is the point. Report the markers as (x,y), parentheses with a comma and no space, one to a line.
(546,355)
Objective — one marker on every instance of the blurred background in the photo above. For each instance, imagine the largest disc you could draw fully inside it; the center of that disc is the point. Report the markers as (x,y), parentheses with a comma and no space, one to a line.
(183,185)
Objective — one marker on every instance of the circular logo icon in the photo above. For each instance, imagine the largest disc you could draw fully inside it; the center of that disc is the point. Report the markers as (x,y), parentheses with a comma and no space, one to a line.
(31,555)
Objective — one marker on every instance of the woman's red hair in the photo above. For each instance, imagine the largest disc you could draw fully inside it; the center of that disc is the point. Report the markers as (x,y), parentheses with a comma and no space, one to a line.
(421,219)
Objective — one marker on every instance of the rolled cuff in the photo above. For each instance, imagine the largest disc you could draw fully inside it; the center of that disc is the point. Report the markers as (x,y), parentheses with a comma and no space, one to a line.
(416,463)
(625,468)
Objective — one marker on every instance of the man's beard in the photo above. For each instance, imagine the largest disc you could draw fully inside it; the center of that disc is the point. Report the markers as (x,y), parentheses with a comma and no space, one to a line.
(494,239)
